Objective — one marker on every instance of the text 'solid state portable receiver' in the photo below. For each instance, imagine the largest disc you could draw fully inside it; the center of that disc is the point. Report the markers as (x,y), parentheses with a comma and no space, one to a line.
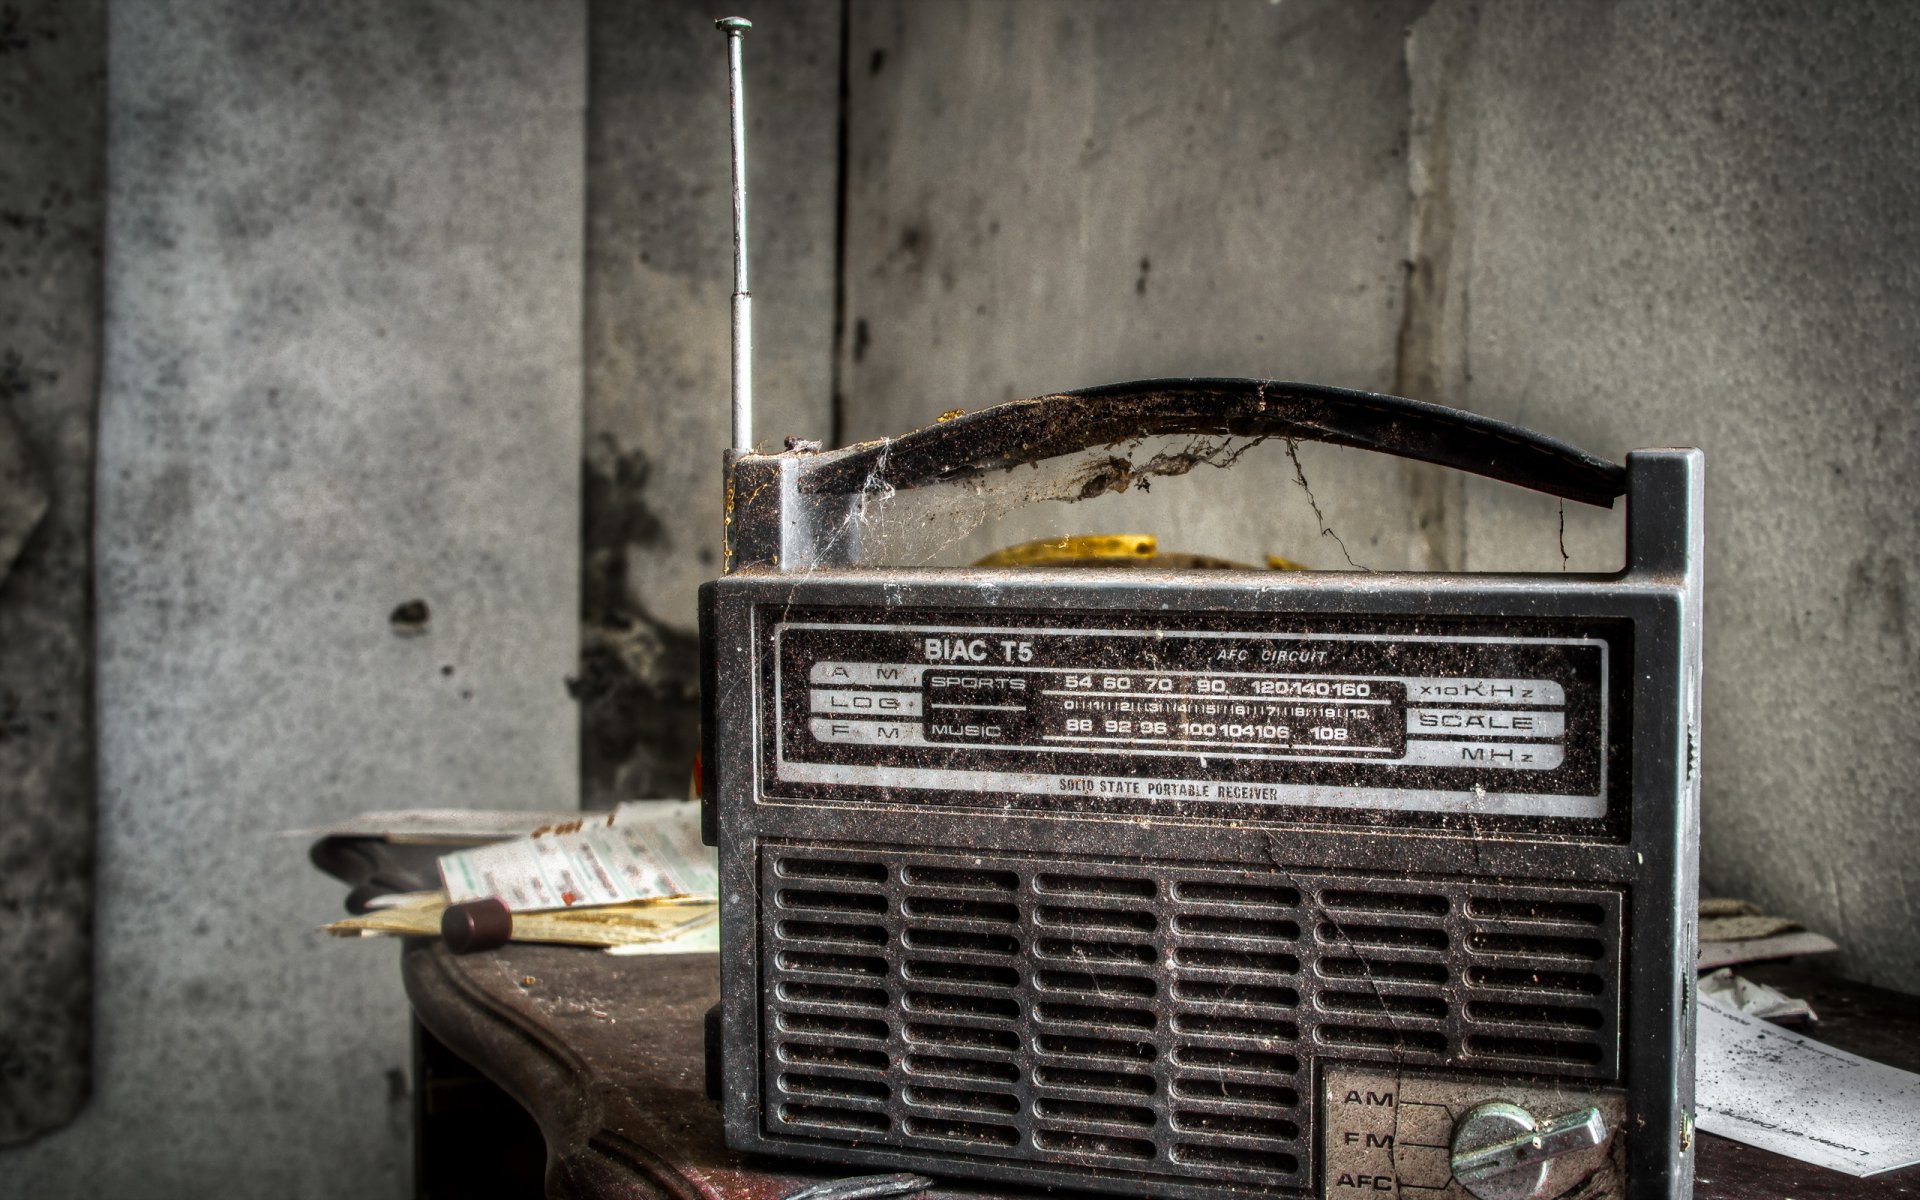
(1203,883)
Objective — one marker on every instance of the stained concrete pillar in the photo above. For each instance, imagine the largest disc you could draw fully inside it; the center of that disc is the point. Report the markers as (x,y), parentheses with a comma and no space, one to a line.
(53,125)
(342,374)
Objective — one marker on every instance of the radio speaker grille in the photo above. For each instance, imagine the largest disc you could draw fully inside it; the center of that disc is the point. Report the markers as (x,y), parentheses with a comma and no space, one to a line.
(1150,1021)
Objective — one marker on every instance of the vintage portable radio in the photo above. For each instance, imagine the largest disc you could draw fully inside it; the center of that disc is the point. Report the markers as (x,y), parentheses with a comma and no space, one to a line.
(1204,883)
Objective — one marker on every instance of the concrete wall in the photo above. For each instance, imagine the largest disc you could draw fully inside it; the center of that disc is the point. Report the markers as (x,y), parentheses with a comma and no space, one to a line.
(1697,225)
(1052,195)
(342,373)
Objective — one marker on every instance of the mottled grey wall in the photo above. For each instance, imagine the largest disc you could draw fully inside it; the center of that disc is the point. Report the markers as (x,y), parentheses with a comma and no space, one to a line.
(659,272)
(342,373)
(1698,224)
(53,128)
(1052,195)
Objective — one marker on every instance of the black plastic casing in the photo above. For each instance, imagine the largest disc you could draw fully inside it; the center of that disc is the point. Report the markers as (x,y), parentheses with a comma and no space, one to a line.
(1652,862)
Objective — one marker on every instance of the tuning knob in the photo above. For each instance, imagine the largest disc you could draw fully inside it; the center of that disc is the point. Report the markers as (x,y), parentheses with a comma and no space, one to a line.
(1501,1153)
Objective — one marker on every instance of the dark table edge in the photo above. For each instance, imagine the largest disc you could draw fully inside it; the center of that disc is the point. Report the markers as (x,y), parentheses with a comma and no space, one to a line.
(583,1157)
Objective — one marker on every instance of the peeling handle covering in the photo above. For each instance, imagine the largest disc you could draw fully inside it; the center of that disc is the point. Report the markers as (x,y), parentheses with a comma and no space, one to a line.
(1031,431)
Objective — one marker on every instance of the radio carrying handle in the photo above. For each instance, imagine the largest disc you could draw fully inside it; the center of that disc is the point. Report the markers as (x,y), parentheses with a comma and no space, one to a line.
(796,510)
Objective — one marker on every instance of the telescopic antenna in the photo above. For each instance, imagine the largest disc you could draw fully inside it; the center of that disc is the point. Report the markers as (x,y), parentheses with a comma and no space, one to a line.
(734,28)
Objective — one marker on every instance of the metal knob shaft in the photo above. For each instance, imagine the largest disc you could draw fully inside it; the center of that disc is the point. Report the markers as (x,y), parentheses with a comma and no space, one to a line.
(1501,1153)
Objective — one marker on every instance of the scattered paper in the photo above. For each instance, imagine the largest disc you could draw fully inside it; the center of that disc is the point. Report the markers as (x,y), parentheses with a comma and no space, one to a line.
(442,826)
(1754,999)
(647,927)
(1766,1087)
(1729,920)
(1713,955)
(406,899)
(639,851)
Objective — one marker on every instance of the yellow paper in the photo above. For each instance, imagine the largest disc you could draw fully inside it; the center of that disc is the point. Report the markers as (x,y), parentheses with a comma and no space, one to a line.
(672,926)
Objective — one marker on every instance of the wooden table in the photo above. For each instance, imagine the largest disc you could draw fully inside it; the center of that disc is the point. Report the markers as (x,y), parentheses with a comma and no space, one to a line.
(605,1055)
